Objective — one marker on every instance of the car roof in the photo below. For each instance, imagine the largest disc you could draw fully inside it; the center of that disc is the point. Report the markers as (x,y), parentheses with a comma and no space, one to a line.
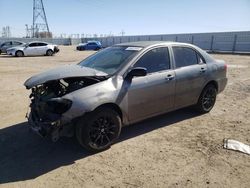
(145,44)
(93,41)
(38,42)
(11,41)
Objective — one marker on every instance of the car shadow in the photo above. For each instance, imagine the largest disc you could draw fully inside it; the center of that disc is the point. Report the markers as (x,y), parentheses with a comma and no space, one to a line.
(24,155)
(5,56)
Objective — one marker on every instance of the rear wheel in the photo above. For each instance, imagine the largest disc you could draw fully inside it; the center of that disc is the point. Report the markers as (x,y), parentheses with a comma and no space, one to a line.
(99,129)
(19,54)
(49,53)
(0,52)
(207,99)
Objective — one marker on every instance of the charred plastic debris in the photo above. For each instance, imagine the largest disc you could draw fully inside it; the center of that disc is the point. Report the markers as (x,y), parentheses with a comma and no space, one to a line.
(47,106)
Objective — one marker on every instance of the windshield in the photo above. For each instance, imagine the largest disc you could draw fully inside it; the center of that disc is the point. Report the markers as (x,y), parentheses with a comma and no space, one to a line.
(111,59)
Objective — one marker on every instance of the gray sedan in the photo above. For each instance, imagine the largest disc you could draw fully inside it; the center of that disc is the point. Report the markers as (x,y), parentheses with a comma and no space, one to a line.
(9,44)
(121,85)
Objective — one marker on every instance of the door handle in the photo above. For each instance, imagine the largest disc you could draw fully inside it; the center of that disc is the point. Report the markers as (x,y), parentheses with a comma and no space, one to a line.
(203,70)
(169,77)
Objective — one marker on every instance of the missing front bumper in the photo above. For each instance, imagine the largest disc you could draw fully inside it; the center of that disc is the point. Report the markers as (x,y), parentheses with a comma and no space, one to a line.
(46,129)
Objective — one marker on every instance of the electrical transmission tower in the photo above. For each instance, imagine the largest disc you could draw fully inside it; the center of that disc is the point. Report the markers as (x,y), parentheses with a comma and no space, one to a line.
(6,32)
(40,24)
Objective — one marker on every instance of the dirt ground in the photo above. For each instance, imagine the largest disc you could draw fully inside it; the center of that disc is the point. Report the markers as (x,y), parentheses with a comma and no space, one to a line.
(179,149)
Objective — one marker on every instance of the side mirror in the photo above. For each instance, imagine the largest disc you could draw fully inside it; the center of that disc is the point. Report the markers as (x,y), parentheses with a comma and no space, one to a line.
(137,71)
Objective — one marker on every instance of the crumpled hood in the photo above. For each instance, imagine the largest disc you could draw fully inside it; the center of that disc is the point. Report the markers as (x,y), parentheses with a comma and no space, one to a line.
(67,71)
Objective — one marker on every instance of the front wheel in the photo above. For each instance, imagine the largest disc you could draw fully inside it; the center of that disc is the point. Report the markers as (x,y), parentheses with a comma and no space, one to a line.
(207,99)
(19,54)
(98,130)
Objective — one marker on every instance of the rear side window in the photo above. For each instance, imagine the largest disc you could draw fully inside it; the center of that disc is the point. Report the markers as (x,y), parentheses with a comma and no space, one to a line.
(17,43)
(41,44)
(185,57)
(7,43)
(155,60)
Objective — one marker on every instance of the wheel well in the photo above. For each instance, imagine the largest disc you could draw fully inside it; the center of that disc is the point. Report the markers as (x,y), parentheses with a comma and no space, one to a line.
(214,83)
(19,51)
(112,106)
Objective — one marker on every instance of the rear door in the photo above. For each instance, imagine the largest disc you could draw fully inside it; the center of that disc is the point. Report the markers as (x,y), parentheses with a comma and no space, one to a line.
(191,73)
(41,48)
(153,93)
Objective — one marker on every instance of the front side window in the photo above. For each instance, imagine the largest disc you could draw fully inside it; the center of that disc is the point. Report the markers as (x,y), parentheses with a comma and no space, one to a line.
(110,59)
(155,60)
(185,57)
(32,45)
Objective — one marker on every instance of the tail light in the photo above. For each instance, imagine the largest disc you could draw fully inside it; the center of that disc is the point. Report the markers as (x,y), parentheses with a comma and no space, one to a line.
(225,66)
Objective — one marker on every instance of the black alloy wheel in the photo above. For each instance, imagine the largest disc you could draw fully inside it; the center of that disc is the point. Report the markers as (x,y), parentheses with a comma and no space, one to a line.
(98,130)
(207,99)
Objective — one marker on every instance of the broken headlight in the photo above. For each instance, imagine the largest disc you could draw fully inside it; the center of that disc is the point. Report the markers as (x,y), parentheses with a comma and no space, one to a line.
(59,105)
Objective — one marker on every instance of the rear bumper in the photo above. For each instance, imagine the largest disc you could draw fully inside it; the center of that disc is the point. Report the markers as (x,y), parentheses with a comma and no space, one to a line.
(79,48)
(56,50)
(222,84)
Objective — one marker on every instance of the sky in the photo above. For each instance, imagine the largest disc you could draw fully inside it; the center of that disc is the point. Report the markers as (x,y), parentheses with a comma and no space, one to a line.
(134,17)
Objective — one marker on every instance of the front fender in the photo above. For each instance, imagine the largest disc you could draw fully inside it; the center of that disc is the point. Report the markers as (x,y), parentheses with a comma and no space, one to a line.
(89,98)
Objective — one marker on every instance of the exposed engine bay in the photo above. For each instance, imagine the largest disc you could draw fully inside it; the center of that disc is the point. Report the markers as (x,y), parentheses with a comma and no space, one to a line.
(47,106)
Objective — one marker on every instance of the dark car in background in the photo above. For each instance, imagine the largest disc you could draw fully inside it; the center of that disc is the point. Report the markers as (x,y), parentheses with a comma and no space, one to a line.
(90,45)
(9,44)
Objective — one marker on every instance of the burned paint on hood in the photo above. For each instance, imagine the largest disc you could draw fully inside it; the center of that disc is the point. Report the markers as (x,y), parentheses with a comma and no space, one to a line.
(67,71)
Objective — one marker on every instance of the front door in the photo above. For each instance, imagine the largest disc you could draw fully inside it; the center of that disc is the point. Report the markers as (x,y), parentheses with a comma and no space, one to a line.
(31,49)
(153,93)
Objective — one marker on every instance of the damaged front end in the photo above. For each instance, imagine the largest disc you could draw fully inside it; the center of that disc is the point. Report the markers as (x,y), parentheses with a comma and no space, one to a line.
(48,106)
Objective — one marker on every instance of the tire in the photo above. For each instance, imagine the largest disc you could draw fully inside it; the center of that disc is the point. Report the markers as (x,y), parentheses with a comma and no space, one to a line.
(49,53)
(19,54)
(97,48)
(0,52)
(207,99)
(98,130)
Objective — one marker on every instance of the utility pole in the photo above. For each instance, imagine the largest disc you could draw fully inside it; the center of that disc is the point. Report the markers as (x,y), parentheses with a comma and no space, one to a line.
(40,24)
(122,32)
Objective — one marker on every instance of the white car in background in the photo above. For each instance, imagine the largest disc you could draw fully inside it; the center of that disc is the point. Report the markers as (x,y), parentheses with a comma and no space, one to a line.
(33,49)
